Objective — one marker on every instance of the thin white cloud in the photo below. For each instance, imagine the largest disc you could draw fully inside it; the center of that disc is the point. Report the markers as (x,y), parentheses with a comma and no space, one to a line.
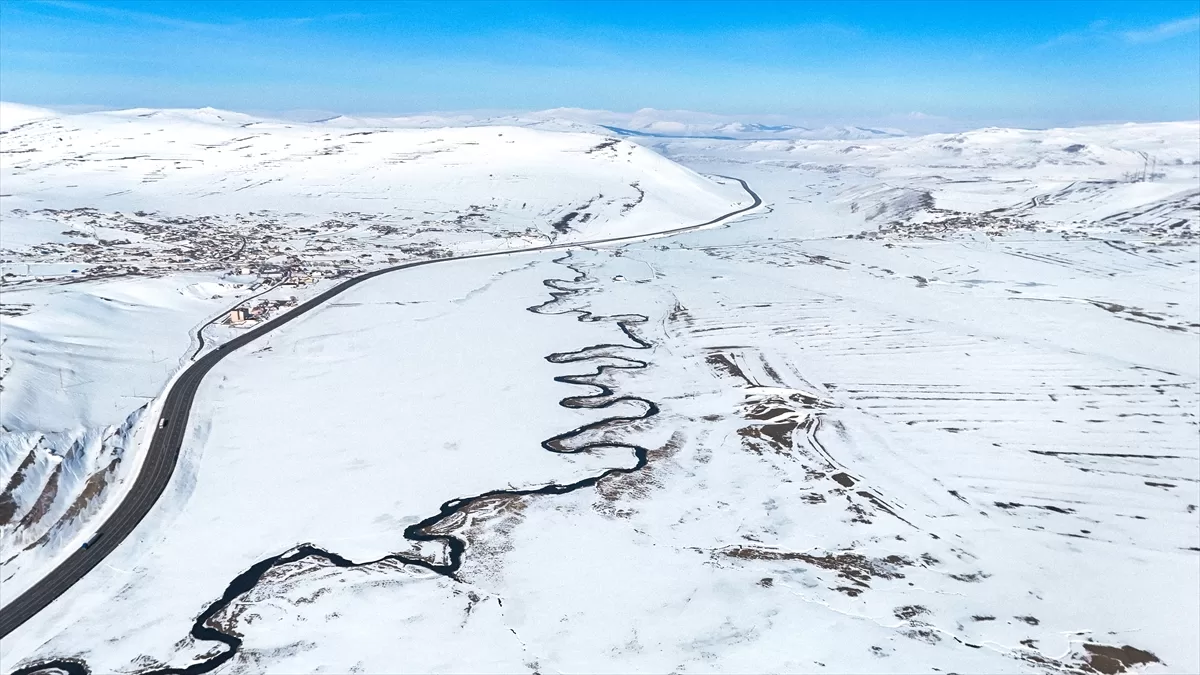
(1164,31)
(171,22)
(1101,31)
(1094,31)
(126,14)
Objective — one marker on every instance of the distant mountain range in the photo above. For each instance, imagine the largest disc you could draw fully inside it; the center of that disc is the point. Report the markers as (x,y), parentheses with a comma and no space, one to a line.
(687,124)
(647,122)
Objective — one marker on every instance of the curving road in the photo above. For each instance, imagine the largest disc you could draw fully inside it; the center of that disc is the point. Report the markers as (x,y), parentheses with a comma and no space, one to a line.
(168,438)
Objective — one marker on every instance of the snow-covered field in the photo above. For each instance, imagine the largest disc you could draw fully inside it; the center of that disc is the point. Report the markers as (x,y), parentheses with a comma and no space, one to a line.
(933,406)
(125,234)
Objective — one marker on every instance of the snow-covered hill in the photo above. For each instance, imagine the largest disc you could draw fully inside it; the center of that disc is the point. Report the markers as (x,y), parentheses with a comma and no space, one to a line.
(211,162)
(1131,175)
(16,114)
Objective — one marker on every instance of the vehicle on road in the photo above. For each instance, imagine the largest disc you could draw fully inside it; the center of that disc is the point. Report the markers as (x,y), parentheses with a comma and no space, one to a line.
(162,424)
(92,540)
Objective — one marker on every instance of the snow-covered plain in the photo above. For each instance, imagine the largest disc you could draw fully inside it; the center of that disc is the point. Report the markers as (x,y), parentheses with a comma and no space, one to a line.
(935,406)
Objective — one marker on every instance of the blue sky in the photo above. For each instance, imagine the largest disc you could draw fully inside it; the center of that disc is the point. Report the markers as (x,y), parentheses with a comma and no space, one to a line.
(911,63)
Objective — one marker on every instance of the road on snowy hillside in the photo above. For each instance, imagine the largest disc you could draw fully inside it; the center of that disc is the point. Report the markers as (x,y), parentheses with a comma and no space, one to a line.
(167,442)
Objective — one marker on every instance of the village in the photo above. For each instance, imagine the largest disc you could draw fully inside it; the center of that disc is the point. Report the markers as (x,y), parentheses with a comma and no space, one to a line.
(274,260)
(83,244)
(100,245)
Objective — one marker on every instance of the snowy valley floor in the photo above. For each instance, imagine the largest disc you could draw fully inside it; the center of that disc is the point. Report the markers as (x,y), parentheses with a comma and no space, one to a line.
(964,442)
(127,238)
(822,489)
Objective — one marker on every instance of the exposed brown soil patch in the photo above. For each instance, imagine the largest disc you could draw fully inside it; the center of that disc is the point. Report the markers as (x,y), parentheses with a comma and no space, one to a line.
(909,611)
(625,487)
(922,633)
(778,436)
(44,501)
(764,412)
(882,506)
(843,479)
(8,505)
(1137,315)
(972,578)
(856,568)
(479,512)
(608,143)
(1111,660)
(723,364)
(680,313)
(488,531)
(91,489)
(1044,507)
(563,225)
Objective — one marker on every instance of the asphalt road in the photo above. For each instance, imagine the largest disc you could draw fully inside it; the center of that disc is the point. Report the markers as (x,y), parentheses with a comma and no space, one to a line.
(168,440)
